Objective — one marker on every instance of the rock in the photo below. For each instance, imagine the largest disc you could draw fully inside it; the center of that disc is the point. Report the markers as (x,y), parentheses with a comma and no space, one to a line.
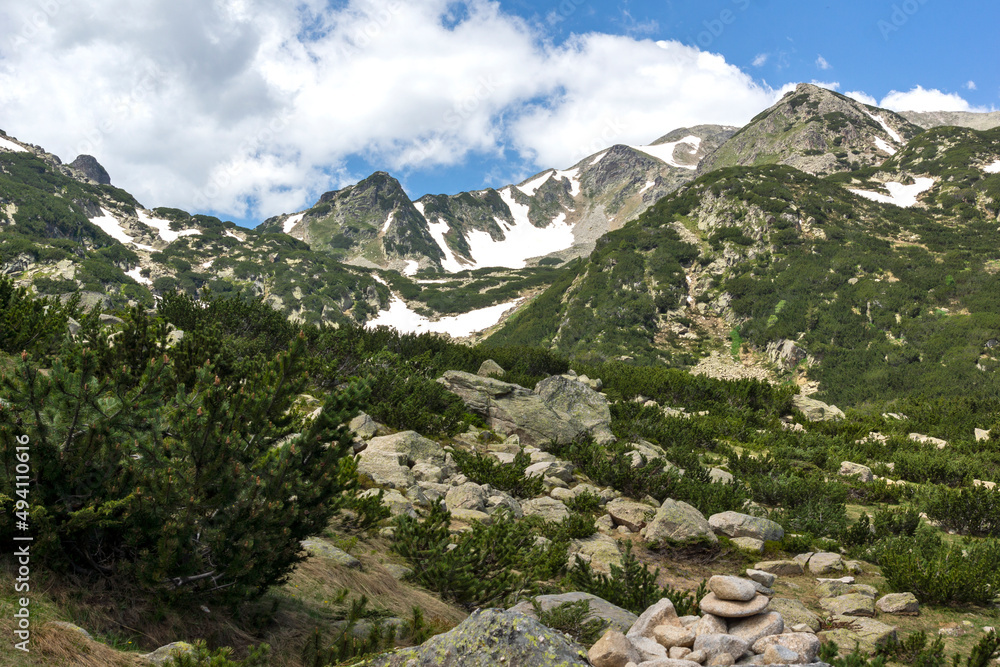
(901,604)
(732,588)
(761,577)
(427,472)
(364,426)
(802,627)
(174,337)
(832,588)
(754,627)
(749,544)
(468,496)
(720,476)
(864,473)
(734,524)
(491,637)
(490,368)
(816,411)
(981,434)
(668,662)
(697,656)
(412,447)
(498,500)
(110,320)
(721,660)
(710,624)
(781,568)
(166,654)
(804,643)
(397,571)
(325,550)
(69,627)
(560,470)
(928,440)
(679,653)
(661,613)
(826,562)
(549,509)
(867,633)
(649,649)
(630,514)
(576,402)
(669,636)
(471,516)
(617,618)
(611,650)
(600,551)
(676,520)
(91,168)
(711,604)
(776,654)
(865,589)
(384,469)
(804,558)
(853,604)
(795,613)
(714,645)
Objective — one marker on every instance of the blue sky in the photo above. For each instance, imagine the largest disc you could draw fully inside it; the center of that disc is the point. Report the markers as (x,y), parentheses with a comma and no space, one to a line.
(249,108)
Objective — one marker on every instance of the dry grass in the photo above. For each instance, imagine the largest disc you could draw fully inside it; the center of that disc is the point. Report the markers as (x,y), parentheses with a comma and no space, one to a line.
(51,645)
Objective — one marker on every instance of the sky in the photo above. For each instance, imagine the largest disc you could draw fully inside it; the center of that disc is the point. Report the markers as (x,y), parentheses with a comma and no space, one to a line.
(246,109)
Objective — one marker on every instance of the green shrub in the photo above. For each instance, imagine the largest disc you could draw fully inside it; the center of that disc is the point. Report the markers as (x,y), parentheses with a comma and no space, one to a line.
(571,618)
(584,503)
(508,477)
(971,511)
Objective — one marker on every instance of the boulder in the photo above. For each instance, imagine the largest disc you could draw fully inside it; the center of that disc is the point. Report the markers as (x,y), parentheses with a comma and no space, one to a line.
(711,604)
(826,562)
(576,402)
(867,633)
(649,649)
(714,645)
(864,473)
(676,520)
(752,628)
(804,643)
(411,446)
(776,654)
(853,604)
(600,551)
(832,588)
(617,618)
(630,514)
(928,440)
(781,568)
(678,653)
(900,604)
(384,469)
(720,476)
(734,524)
(669,636)
(763,578)
(363,426)
(611,650)
(710,624)
(727,587)
(795,613)
(491,637)
(560,470)
(165,654)
(549,509)
(816,411)
(749,544)
(511,409)
(323,549)
(981,434)
(661,613)
(468,496)
(490,368)
(69,627)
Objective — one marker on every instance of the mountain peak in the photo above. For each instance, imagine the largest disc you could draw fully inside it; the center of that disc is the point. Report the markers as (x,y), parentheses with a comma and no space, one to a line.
(91,168)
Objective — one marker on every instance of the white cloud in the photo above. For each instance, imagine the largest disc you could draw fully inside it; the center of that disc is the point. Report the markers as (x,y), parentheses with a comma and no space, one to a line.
(760,60)
(822,63)
(253,107)
(921,99)
(971,85)
(862,97)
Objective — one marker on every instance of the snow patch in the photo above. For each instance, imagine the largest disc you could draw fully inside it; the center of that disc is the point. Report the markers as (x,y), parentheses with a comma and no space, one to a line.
(438,230)
(399,316)
(884,146)
(648,185)
(530,187)
(665,152)
(162,227)
(992,168)
(388,221)
(420,208)
(11,146)
(885,126)
(138,277)
(573,176)
(291,222)
(208,264)
(598,158)
(110,225)
(234,236)
(899,194)
(411,268)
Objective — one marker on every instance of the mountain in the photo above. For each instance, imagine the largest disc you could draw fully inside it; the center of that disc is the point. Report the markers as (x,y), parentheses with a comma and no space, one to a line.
(970,119)
(816,130)
(556,214)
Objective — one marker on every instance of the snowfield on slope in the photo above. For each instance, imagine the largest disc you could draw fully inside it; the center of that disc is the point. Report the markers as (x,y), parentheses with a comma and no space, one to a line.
(162,227)
(109,225)
(403,319)
(11,146)
(665,152)
(291,222)
(992,168)
(899,194)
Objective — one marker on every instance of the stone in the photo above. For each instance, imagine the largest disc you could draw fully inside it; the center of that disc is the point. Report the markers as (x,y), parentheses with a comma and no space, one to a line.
(323,549)
(732,588)
(630,514)
(617,618)
(669,636)
(667,662)
(781,568)
(928,440)
(69,627)
(600,551)
(491,637)
(611,650)
(863,473)
(853,604)
(679,653)
(714,645)
(761,577)
(490,368)
(468,496)
(711,604)
(900,604)
(397,571)
(384,469)
(697,656)
(499,500)
(832,588)
(826,562)
(755,627)
(981,434)
(749,544)
(560,470)
(865,589)
(166,654)
(427,472)
(689,621)
(676,520)
(411,446)
(867,633)
(720,476)
(803,558)
(735,524)
(649,649)
(721,660)
(802,627)
(776,654)
(661,613)
(363,426)
(576,402)
(471,516)
(794,612)
(816,411)
(710,624)
(804,643)
(548,508)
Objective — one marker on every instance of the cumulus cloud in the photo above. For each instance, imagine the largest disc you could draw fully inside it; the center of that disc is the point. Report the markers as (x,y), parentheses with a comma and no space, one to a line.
(822,63)
(253,107)
(921,99)
(760,60)
(971,85)
(862,97)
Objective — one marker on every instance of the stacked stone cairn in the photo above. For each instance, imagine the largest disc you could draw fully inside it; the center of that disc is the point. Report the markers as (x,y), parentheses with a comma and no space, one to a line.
(735,628)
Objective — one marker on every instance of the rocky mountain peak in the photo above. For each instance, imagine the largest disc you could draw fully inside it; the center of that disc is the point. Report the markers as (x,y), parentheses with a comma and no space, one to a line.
(91,169)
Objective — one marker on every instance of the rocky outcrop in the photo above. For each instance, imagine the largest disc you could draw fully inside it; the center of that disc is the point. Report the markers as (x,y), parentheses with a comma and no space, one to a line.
(816,411)
(616,617)
(734,524)
(91,169)
(676,520)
